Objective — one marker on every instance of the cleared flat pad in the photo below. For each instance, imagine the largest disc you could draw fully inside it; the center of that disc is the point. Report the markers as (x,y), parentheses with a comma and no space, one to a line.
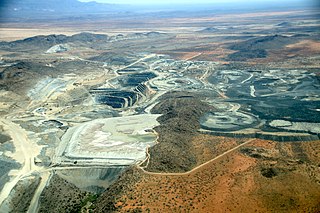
(227,121)
(296,126)
(115,141)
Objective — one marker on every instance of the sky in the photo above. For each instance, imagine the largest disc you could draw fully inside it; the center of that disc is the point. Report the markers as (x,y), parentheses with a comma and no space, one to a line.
(180,1)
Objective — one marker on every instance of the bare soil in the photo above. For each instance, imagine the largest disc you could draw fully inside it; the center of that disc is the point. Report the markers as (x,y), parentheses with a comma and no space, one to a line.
(234,183)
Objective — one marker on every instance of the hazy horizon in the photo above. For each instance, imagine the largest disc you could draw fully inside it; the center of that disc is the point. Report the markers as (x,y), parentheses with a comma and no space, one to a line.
(20,10)
(168,2)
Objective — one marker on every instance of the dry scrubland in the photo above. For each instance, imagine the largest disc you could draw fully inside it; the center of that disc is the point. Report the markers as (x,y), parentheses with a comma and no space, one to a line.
(230,64)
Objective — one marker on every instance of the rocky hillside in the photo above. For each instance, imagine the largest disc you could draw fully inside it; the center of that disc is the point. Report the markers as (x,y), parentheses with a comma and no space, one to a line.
(92,40)
(259,47)
(179,123)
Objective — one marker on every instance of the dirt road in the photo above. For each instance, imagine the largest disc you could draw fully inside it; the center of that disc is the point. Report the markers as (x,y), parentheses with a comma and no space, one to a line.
(25,153)
(198,167)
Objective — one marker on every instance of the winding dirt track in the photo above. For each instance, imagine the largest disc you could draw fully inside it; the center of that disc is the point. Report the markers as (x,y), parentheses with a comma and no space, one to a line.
(196,168)
(194,56)
(34,205)
(25,153)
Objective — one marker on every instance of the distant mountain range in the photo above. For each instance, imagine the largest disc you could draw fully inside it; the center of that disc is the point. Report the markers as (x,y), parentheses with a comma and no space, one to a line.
(32,8)
(27,10)
(54,5)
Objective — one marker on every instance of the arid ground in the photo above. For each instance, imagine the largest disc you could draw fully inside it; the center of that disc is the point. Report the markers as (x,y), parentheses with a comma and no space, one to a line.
(213,112)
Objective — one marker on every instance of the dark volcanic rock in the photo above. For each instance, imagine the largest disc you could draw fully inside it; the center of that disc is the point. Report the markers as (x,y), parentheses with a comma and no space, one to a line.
(209,30)
(34,43)
(258,47)
(153,34)
(87,37)
(265,42)
(61,196)
(23,75)
(284,24)
(44,42)
(244,55)
(23,193)
(269,172)
(91,40)
(179,123)
(115,58)
(22,69)
(4,138)
(136,79)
